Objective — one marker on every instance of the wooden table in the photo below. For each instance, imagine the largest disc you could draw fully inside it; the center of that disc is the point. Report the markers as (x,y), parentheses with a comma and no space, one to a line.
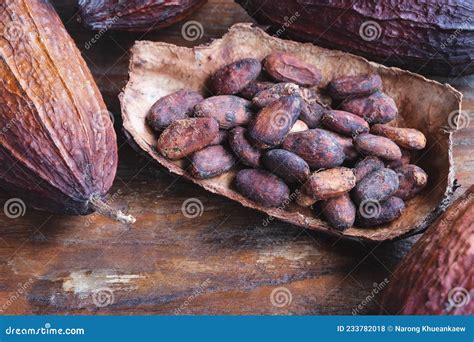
(221,262)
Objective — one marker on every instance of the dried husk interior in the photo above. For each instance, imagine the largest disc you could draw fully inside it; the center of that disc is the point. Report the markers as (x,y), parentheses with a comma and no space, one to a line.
(157,69)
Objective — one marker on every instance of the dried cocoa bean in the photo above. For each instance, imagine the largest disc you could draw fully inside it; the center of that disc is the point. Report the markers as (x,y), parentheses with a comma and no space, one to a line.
(247,154)
(319,148)
(274,122)
(375,108)
(299,126)
(369,144)
(175,106)
(340,211)
(253,88)
(376,186)
(350,152)
(184,137)
(221,138)
(285,67)
(234,77)
(287,165)
(331,183)
(262,187)
(408,138)
(380,213)
(276,92)
(404,160)
(211,161)
(228,110)
(366,166)
(344,123)
(311,113)
(354,86)
(412,180)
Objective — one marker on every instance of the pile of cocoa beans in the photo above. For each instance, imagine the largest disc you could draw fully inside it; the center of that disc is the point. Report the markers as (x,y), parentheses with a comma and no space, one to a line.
(326,146)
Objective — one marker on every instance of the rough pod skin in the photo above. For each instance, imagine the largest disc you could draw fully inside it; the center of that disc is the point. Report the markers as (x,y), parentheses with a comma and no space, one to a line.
(376,186)
(228,110)
(408,138)
(184,137)
(375,108)
(285,67)
(172,107)
(262,187)
(436,277)
(59,153)
(232,78)
(371,214)
(274,122)
(438,39)
(246,152)
(319,148)
(137,15)
(344,123)
(340,212)
(286,165)
(354,86)
(211,161)
(369,144)
(412,180)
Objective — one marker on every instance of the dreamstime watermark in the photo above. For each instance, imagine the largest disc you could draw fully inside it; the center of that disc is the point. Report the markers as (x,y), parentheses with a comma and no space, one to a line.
(451,214)
(267,220)
(103,120)
(288,22)
(192,208)
(457,298)
(8,126)
(455,34)
(458,119)
(192,30)
(370,31)
(14,208)
(13,31)
(197,292)
(377,287)
(99,34)
(91,218)
(281,297)
(370,208)
(103,297)
(19,292)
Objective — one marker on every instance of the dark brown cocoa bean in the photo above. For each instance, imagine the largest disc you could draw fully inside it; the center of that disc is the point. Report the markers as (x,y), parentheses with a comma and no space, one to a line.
(311,113)
(376,186)
(285,67)
(228,110)
(246,153)
(340,211)
(234,77)
(221,138)
(274,122)
(211,161)
(404,160)
(319,148)
(344,123)
(375,108)
(380,214)
(412,180)
(175,106)
(276,92)
(408,138)
(331,183)
(287,165)
(184,137)
(350,152)
(374,145)
(253,88)
(354,86)
(366,166)
(262,187)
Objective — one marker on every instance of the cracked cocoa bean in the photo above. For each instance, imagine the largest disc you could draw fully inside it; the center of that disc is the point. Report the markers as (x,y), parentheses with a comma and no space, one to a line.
(234,77)
(228,110)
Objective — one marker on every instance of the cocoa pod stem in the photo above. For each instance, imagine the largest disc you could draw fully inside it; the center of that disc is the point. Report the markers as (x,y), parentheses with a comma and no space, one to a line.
(99,206)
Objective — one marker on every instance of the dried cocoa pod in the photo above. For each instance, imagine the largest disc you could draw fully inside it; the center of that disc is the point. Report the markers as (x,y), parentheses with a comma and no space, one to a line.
(408,138)
(299,126)
(285,67)
(366,166)
(262,187)
(404,160)
(247,154)
(275,92)
(350,152)
(412,180)
(232,78)
(135,15)
(211,161)
(354,86)
(221,138)
(374,145)
(274,122)
(331,183)
(287,165)
(311,113)
(228,110)
(376,186)
(375,108)
(436,277)
(253,88)
(175,106)
(340,211)
(319,148)
(344,123)
(184,137)
(371,214)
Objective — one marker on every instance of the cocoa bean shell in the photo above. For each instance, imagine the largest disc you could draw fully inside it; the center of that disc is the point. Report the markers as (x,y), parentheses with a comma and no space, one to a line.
(232,78)
(262,187)
(412,180)
(382,212)
(245,152)
(340,211)
(375,108)
(354,86)
(288,166)
(211,161)
(369,144)
(344,123)
(376,186)
(228,110)
(286,67)
(408,138)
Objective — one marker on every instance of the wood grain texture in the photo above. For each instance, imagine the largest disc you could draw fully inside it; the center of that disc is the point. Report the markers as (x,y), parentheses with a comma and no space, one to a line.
(227,260)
